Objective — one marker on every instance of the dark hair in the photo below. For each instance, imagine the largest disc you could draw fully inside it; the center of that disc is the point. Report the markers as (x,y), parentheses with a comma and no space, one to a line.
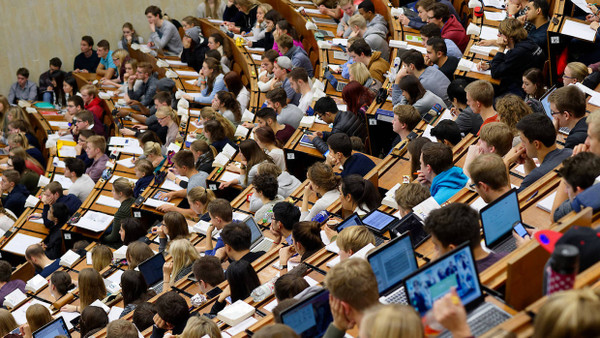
(176,225)
(253,154)
(543,5)
(103,44)
(580,170)
(308,234)
(277,95)
(431,30)
(62,282)
(23,72)
(92,317)
(286,213)
(70,80)
(18,164)
(438,156)
(454,224)
(440,11)
(299,74)
(75,165)
(267,113)
(447,130)
(134,229)
(5,271)
(55,62)
(326,104)
(229,100)
(289,285)
(209,270)
(221,208)
(456,90)
(143,316)
(356,96)
(274,16)
(360,46)
(271,54)
(147,136)
(233,81)
(242,279)
(172,308)
(163,97)
(154,10)
(340,142)
(237,235)
(213,53)
(266,135)
(215,65)
(267,185)
(367,6)
(536,77)
(216,130)
(283,24)
(88,39)
(413,87)
(438,45)
(134,287)
(362,191)
(538,127)
(59,78)
(414,57)
(184,158)
(61,213)
(570,99)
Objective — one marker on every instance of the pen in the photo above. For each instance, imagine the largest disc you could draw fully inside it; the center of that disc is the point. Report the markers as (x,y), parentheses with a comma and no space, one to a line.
(532,196)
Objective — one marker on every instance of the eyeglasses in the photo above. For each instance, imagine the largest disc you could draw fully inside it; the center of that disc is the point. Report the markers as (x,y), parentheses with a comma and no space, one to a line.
(565,76)
(552,112)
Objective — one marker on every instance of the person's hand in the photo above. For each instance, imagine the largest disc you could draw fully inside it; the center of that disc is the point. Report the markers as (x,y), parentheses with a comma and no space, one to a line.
(308,191)
(49,88)
(401,73)
(487,43)
(515,155)
(248,125)
(170,175)
(83,71)
(167,195)
(451,314)
(127,132)
(122,113)
(594,25)
(501,42)
(166,208)
(276,84)
(340,320)
(522,19)
(285,254)
(580,148)
(513,7)
(167,268)
(231,26)
(159,230)
(263,78)
(483,66)
(131,79)
(427,60)
(311,136)
(160,323)
(140,126)
(68,308)
(329,232)
(404,20)
(25,330)
(249,43)
(187,42)
(187,97)
(63,132)
(232,167)
(524,240)
(276,233)
(224,185)
(153,27)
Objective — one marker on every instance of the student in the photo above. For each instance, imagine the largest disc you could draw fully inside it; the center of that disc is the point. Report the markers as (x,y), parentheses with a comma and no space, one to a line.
(285,215)
(209,273)
(96,146)
(133,230)
(215,133)
(568,110)
(296,54)
(37,315)
(164,35)
(203,155)
(20,140)
(210,81)
(91,288)
(340,154)
(251,156)
(343,122)
(265,76)
(452,29)
(143,316)
(352,239)
(227,105)
(418,21)
(360,73)
(153,153)
(258,30)
(437,170)
(246,17)
(216,43)
(82,184)
(578,173)
(172,314)
(237,238)
(53,193)
(480,98)
(266,140)
(276,330)
(447,132)
(167,117)
(6,284)
(286,182)
(409,90)
(16,193)
(431,30)
(58,215)
(283,27)
(23,89)
(121,328)
(56,94)
(145,93)
(194,48)
(122,191)
(91,101)
(301,85)
(489,176)
(7,322)
(106,68)
(242,279)
(406,118)
(60,283)
(374,20)
(86,120)
(144,172)
(538,137)
(353,290)
(358,99)
(495,138)
(234,84)
(220,213)
(87,61)
(537,14)
(374,36)
(359,195)
(200,325)
(102,256)
(534,88)
(136,253)
(454,224)
(413,63)
(307,241)
(129,36)
(511,109)
(70,87)
(288,286)
(147,116)
(322,182)
(360,51)
(437,56)
(409,196)
(392,320)
(44,266)
(574,72)
(287,113)
(173,225)
(265,187)
(212,9)
(347,9)
(45,86)
(184,255)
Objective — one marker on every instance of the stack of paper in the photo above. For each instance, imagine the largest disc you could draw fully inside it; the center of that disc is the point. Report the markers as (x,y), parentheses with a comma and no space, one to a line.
(495,16)
(94,221)
(229,176)
(120,253)
(307,121)
(69,258)
(546,203)
(108,201)
(154,203)
(247,116)
(127,163)
(36,283)
(390,197)
(236,313)
(241,131)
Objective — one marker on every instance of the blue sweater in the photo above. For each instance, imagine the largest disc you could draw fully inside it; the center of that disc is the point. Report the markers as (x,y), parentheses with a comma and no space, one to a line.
(447,183)
(357,164)
(218,85)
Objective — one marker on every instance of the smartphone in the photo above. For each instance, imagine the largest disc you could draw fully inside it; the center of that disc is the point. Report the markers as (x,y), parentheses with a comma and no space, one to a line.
(520,230)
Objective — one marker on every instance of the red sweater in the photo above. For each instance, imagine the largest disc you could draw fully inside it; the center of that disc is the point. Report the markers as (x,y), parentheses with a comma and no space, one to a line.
(95,107)
(454,31)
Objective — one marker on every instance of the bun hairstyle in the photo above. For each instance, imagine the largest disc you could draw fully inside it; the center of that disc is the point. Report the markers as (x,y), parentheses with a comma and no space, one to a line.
(202,195)
(362,191)
(323,177)
(308,234)
(124,186)
(152,148)
(62,282)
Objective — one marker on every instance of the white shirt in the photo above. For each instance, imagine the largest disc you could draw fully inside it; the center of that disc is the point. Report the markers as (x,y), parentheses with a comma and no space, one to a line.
(305,101)
(82,187)
(244,98)
(278,157)
(321,204)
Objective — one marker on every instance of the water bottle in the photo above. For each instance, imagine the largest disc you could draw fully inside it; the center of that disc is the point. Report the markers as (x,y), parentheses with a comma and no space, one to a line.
(262,292)
(561,269)
(321,217)
(432,327)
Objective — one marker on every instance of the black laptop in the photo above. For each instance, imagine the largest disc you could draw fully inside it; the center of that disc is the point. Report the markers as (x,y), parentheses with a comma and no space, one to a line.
(152,271)
(310,317)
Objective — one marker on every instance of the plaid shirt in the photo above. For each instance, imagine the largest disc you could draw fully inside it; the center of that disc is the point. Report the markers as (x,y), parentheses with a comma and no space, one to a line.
(527,25)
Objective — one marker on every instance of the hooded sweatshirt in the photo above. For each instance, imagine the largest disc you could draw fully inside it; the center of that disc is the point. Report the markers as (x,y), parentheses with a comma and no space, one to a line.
(378,66)
(379,23)
(375,37)
(447,184)
(509,66)
(454,31)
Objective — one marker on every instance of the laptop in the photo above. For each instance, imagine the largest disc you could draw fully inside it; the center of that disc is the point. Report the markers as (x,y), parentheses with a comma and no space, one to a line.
(413,224)
(546,105)
(340,86)
(354,219)
(380,222)
(455,269)
(57,327)
(310,317)
(391,263)
(497,221)
(259,242)
(151,269)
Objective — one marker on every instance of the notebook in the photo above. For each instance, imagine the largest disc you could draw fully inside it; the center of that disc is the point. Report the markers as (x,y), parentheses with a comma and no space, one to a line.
(259,242)
(455,269)
(497,221)
(152,271)
(310,317)
(57,327)
(391,263)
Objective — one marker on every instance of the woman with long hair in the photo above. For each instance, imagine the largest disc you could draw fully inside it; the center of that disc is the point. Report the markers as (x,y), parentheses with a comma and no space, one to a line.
(129,36)
(57,79)
(258,31)
(323,183)
(204,155)
(122,191)
(134,290)
(58,215)
(307,240)
(246,17)
(198,199)
(4,105)
(211,9)
(7,322)
(70,87)
(359,195)
(251,157)
(216,135)
(234,84)
(216,42)
(133,230)
(194,45)
(91,288)
(208,114)
(284,27)
(534,88)
(136,253)
(414,152)
(358,99)
(153,153)
(175,226)
(511,109)
(37,316)
(102,256)
(19,139)
(226,104)
(184,255)
(242,279)
(93,319)
(409,90)
(360,73)
(210,81)
(266,140)
(30,162)
(14,113)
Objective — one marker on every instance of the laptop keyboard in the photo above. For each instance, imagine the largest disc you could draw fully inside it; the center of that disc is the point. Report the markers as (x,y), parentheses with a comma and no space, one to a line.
(264,245)
(509,245)
(483,319)
(379,240)
(158,287)
(397,297)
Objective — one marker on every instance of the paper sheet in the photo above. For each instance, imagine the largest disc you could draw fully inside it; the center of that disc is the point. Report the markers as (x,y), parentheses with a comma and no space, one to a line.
(488,33)
(582,4)
(494,3)
(114,313)
(67,151)
(340,55)
(171,185)
(312,11)
(108,201)
(123,141)
(154,203)
(228,176)
(94,221)
(494,16)
(19,243)
(427,133)
(59,124)
(127,163)
(546,203)
(241,326)
(269,307)
(65,182)
(256,57)
(188,73)
(578,30)
(115,177)
(176,63)
(68,317)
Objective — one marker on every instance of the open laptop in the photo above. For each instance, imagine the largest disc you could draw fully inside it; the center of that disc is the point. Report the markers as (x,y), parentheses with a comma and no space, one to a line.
(310,317)
(391,263)
(354,219)
(57,327)
(259,242)
(546,105)
(455,269)
(413,224)
(151,269)
(497,221)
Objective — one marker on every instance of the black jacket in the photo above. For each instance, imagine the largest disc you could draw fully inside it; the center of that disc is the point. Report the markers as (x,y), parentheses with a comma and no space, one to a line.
(194,57)
(509,67)
(344,122)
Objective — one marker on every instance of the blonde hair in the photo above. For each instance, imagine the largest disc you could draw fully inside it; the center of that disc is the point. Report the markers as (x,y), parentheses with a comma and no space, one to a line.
(357,20)
(323,177)
(98,142)
(202,195)
(511,109)
(120,54)
(208,113)
(7,322)
(37,316)
(593,121)
(498,135)
(101,257)
(91,287)
(184,254)
(20,152)
(248,4)
(360,72)
(152,148)
(90,89)
(512,28)
(353,281)
(124,186)
(17,113)
(265,7)
(167,111)
(410,195)
(19,139)
(354,238)
(392,320)
(268,168)
(199,326)
(579,70)
(344,2)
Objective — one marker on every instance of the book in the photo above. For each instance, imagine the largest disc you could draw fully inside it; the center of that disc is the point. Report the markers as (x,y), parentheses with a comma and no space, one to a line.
(35,284)
(14,298)
(423,209)
(120,253)
(307,121)
(241,131)
(69,258)
(547,202)
(236,313)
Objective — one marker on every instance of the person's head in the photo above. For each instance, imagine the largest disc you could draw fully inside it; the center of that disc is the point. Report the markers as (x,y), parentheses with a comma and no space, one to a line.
(74,167)
(91,287)
(357,96)
(143,316)
(175,225)
(242,279)
(22,76)
(359,193)
(406,118)
(268,60)
(220,212)
(414,150)
(436,49)
(152,150)
(285,215)
(214,131)
(307,237)
(412,89)
(122,189)
(184,162)
(143,71)
(103,48)
(266,186)
(121,328)
(271,19)
(143,168)
(299,79)
(101,257)
(352,239)
(237,237)
(512,30)
(4,104)
(276,331)
(5,271)
(93,318)
(536,132)
(266,117)
(447,132)
(208,272)
(131,230)
(410,195)
(480,95)
(244,5)
(340,147)
(10,179)
(7,322)
(537,9)
(88,93)
(199,198)
(347,7)
(285,43)
(153,14)
(574,72)
(283,65)
(166,116)
(83,137)
(133,285)
(59,214)
(435,159)
(353,283)
(321,177)
(86,44)
(533,81)
(233,81)
(326,109)
(438,14)
(452,225)
(35,254)
(224,101)
(359,72)
(495,137)
(393,320)
(215,40)
(60,283)
(265,137)
(489,175)
(289,285)
(136,253)
(358,24)
(579,172)
(172,309)
(184,254)
(360,51)
(200,326)
(96,146)
(429,31)
(70,85)
(593,139)
(127,30)
(511,109)
(367,9)
(567,105)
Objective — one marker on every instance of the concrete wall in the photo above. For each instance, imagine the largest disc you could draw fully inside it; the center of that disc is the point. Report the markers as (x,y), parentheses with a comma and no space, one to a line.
(34,31)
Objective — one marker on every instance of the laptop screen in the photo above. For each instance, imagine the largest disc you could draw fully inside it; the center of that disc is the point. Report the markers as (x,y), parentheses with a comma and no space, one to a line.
(256,233)
(413,224)
(457,269)
(310,317)
(151,269)
(498,217)
(57,327)
(392,262)
(546,103)
(378,220)
(354,219)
